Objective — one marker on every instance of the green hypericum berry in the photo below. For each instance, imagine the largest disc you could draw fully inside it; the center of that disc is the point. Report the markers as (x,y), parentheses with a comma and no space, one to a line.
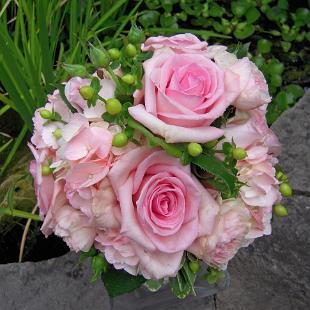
(76,70)
(128,79)
(286,190)
(136,35)
(194,149)
(131,50)
(87,92)
(239,153)
(280,210)
(46,114)
(120,140)
(113,106)
(57,133)
(45,170)
(114,53)
(194,266)
(99,58)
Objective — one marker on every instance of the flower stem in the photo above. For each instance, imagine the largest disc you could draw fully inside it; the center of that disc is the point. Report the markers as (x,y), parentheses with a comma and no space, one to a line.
(19,213)
(156,141)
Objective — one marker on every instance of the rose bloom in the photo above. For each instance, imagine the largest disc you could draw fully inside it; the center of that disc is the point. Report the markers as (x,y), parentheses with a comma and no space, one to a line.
(163,207)
(229,235)
(187,87)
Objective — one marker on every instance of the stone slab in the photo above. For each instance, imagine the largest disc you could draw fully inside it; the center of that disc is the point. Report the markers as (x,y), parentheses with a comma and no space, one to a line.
(293,129)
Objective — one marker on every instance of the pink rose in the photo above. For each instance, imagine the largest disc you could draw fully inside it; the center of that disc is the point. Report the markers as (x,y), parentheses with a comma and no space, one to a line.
(260,222)
(126,254)
(229,234)
(249,129)
(72,225)
(43,185)
(163,207)
(261,189)
(118,251)
(254,89)
(183,95)
(252,84)
(185,42)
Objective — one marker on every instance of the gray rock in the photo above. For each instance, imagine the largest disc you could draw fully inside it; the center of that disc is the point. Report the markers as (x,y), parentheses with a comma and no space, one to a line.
(63,284)
(293,128)
(55,284)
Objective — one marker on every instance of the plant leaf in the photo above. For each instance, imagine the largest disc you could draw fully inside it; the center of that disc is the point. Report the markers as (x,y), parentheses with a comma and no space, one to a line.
(218,169)
(118,282)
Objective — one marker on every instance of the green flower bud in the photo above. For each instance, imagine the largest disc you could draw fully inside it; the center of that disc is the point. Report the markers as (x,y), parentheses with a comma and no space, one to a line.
(113,106)
(99,58)
(87,92)
(57,133)
(286,190)
(280,210)
(114,53)
(136,35)
(131,50)
(128,79)
(45,170)
(194,149)
(75,70)
(46,114)
(194,266)
(120,140)
(239,153)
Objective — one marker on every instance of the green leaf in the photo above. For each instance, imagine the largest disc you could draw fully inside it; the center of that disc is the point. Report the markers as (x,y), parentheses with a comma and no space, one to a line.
(189,276)
(218,169)
(179,286)
(154,285)
(243,31)
(252,15)
(118,282)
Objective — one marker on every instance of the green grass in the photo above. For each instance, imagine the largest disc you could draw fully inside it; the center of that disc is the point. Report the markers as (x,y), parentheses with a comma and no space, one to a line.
(36,37)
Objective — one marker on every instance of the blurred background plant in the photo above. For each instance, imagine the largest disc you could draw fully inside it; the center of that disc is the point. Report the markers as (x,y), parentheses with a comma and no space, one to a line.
(37,37)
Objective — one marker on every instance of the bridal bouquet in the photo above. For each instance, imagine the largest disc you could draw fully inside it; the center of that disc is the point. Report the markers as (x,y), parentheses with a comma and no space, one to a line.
(155,158)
